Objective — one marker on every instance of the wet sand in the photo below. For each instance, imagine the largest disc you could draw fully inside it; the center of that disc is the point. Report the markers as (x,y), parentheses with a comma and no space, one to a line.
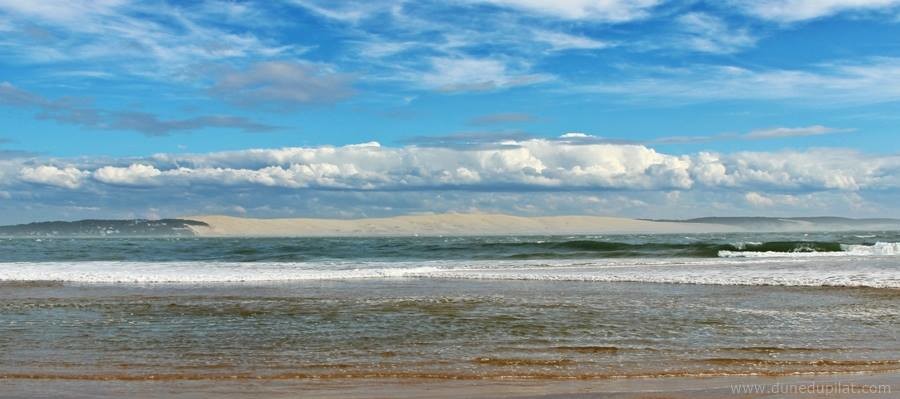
(884,385)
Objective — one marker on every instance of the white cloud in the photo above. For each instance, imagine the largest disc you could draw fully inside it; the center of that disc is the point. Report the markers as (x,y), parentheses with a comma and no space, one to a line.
(158,41)
(758,200)
(800,10)
(66,177)
(865,81)
(134,174)
(770,200)
(575,135)
(594,10)
(526,164)
(475,74)
(560,41)
(809,170)
(526,176)
(706,33)
(710,170)
(534,163)
(62,11)
(346,11)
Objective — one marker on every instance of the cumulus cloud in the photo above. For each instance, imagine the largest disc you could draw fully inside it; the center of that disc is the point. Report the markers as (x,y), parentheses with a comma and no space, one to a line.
(808,170)
(523,176)
(65,177)
(284,84)
(529,164)
(757,199)
(519,165)
(133,175)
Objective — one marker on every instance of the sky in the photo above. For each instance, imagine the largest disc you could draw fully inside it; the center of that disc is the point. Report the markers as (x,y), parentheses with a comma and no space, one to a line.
(642,108)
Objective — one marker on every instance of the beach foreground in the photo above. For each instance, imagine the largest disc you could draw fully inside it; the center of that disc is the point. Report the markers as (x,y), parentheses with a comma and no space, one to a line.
(440,338)
(634,316)
(882,385)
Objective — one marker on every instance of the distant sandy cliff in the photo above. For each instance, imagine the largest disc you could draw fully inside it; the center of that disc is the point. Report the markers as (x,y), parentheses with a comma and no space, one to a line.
(442,224)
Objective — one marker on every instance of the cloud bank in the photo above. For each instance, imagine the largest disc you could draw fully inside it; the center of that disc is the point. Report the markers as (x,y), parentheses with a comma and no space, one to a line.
(521,165)
(566,175)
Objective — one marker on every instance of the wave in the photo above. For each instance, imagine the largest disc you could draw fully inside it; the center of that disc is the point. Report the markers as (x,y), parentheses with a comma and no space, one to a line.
(288,250)
(801,250)
(578,248)
(825,272)
(612,249)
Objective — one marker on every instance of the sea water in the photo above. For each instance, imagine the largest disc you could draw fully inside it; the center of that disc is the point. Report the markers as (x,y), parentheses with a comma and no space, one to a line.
(449,307)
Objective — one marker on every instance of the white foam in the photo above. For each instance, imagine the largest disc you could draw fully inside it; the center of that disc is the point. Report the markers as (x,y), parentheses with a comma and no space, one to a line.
(742,245)
(879,272)
(189,272)
(878,249)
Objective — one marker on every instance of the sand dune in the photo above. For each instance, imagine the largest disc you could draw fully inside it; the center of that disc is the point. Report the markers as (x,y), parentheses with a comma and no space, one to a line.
(442,224)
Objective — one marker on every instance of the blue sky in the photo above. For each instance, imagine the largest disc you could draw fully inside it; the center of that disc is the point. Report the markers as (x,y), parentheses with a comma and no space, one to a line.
(646,108)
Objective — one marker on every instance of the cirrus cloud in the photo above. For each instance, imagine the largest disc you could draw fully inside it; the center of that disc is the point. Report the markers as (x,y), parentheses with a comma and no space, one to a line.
(800,10)
(605,11)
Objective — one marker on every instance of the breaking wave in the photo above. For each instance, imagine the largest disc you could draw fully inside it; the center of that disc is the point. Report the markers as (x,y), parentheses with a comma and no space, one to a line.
(812,249)
(877,272)
(294,250)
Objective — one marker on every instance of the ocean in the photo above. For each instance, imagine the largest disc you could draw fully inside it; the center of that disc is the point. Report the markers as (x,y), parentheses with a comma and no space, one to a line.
(458,308)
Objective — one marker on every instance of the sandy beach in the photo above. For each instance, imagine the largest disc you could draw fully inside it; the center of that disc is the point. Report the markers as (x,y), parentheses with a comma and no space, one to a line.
(455,224)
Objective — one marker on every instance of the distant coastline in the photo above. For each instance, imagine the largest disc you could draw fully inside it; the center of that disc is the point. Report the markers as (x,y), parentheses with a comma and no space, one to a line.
(103,228)
(447,224)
